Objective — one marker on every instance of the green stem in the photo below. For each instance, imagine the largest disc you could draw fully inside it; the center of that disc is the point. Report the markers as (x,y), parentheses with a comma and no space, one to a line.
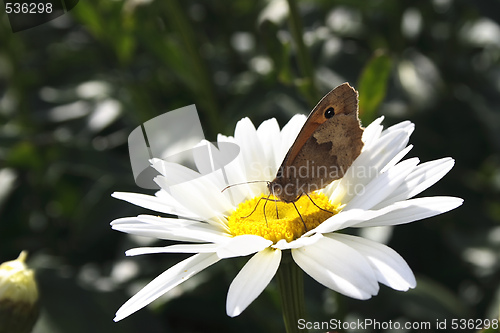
(305,64)
(291,289)
(206,88)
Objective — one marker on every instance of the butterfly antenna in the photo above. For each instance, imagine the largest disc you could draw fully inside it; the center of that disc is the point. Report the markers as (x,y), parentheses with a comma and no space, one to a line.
(250,182)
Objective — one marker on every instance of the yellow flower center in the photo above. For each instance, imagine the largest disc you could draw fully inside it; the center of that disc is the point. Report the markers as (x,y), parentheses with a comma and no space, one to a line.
(280,220)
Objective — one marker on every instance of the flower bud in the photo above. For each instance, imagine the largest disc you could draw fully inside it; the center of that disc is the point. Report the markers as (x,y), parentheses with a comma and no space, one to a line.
(18,296)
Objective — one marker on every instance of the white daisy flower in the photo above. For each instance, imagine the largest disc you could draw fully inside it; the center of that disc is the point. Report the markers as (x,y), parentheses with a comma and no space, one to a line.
(377,190)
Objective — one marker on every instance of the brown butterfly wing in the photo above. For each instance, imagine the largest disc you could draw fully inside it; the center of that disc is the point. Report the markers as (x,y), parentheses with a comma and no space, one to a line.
(324,148)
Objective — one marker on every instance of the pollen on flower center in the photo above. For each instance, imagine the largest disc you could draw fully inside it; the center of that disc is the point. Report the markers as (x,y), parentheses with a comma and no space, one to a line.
(280,220)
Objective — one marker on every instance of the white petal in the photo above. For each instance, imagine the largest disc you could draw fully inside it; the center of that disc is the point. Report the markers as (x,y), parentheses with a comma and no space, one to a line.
(215,168)
(338,267)
(179,209)
(345,219)
(252,280)
(305,240)
(372,132)
(178,248)
(377,234)
(387,146)
(239,189)
(368,165)
(288,135)
(291,130)
(211,204)
(249,165)
(433,171)
(174,172)
(254,162)
(397,213)
(383,185)
(165,282)
(422,177)
(396,159)
(235,169)
(412,210)
(384,149)
(242,246)
(170,228)
(269,134)
(391,269)
(404,125)
(149,202)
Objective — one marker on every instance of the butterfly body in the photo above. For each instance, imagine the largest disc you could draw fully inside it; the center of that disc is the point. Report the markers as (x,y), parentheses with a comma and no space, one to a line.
(324,149)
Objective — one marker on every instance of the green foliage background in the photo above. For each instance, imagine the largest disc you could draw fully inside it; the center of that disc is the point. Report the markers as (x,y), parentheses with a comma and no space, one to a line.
(73,89)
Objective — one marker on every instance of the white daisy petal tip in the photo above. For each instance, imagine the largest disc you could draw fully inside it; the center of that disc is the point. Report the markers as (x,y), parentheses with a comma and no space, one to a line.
(458,201)
(252,279)
(166,281)
(339,267)
(389,267)
(233,311)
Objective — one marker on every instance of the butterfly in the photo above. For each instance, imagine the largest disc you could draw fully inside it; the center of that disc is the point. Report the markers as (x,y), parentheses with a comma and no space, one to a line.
(324,149)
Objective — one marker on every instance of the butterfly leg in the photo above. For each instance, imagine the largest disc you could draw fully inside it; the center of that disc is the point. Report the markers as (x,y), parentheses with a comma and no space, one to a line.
(275,203)
(254,209)
(265,203)
(305,227)
(316,204)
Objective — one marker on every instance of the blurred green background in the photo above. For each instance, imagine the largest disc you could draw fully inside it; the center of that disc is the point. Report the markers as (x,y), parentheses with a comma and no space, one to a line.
(73,89)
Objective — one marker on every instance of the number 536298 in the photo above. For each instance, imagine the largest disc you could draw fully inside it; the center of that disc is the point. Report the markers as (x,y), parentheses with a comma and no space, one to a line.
(28,8)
